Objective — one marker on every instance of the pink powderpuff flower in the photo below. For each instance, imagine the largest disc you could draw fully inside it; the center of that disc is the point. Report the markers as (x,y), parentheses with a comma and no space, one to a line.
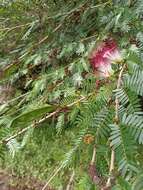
(102,58)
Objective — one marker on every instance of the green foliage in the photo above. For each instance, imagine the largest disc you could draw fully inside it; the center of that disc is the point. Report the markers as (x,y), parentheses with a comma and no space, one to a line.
(138,184)
(44,57)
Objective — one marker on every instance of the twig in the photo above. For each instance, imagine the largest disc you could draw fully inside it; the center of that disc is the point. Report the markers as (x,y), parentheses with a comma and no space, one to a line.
(112,161)
(93,156)
(118,86)
(17,98)
(46,37)
(6,140)
(104,4)
(15,27)
(27,128)
(69,186)
(53,175)
(92,171)
(88,38)
(111,169)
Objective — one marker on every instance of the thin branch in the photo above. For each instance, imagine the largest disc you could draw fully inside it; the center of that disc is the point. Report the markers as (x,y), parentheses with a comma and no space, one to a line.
(36,124)
(15,27)
(112,161)
(27,128)
(46,37)
(111,169)
(118,86)
(93,156)
(104,4)
(88,38)
(53,175)
(17,98)
(92,171)
(71,180)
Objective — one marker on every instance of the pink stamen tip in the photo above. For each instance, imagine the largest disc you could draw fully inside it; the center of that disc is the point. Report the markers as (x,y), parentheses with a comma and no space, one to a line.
(102,57)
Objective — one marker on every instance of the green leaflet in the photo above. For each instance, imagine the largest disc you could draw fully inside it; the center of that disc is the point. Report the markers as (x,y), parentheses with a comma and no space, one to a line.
(28,117)
(138,184)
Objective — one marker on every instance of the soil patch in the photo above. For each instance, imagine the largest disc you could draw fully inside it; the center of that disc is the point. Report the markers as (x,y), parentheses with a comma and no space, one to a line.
(11,182)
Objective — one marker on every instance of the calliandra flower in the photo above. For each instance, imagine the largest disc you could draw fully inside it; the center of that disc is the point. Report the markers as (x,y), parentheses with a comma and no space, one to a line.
(103,56)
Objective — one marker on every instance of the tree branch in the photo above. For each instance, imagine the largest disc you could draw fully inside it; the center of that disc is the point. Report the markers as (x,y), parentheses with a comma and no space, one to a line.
(92,171)
(112,161)
(36,124)
(71,180)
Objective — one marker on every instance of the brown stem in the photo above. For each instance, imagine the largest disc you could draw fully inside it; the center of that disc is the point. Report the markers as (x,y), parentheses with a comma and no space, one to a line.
(111,169)
(70,183)
(93,156)
(112,161)
(92,171)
